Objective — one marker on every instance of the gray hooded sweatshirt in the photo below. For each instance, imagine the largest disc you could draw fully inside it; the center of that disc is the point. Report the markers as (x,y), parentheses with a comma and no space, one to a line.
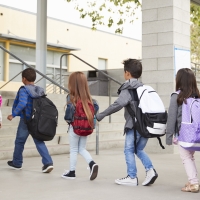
(34,91)
(174,119)
(123,100)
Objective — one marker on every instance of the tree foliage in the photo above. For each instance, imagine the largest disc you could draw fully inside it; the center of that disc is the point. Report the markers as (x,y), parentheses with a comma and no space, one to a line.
(195,32)
(101,12)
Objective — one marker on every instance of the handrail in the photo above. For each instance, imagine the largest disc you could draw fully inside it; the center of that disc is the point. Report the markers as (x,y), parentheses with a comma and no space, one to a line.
(40,73)
(11,79)
(68,54)
(43,77)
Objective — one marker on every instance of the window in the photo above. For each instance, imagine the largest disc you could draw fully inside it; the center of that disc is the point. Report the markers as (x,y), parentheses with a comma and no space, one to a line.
(28,54)
(24,53)
(102,64)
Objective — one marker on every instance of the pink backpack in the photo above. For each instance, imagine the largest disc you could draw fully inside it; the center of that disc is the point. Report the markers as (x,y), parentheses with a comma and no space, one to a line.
(1,101)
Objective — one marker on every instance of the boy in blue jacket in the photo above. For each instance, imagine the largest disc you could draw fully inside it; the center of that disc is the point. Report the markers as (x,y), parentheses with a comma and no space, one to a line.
(23,102)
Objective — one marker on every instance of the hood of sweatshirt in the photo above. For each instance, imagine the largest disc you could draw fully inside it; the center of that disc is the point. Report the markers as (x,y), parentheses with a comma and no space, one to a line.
(130,84)
(34,91)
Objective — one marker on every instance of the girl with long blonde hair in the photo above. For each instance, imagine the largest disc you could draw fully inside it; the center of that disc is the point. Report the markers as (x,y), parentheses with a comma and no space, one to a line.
(79,98)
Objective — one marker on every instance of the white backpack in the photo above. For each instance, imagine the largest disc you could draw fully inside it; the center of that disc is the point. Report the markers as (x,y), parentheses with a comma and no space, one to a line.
(148,113)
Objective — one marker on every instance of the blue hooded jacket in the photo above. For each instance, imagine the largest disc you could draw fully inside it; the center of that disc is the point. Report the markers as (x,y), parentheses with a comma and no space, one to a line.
(24,100)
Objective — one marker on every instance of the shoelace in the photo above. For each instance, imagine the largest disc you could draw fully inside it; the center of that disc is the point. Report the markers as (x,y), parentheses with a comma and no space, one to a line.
(148,175)
(124,178)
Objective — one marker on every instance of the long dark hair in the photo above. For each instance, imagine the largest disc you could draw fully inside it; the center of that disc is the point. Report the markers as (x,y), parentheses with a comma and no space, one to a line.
(186,83)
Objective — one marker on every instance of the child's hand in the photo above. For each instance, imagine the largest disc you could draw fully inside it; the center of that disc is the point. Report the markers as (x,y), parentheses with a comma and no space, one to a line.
(98,118)
(10,117)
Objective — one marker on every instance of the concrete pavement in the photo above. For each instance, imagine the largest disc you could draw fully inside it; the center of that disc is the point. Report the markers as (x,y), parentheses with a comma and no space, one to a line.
(31,184)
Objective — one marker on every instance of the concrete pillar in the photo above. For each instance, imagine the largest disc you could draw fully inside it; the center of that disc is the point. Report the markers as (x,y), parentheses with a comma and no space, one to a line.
(6,62)
(165,26)
(41,40)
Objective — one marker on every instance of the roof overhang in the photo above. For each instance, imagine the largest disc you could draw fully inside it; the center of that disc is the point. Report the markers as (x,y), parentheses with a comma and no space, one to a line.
(196,1)
(30,41)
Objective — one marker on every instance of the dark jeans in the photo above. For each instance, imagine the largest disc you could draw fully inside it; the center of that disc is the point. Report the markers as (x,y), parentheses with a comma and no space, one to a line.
(21,137)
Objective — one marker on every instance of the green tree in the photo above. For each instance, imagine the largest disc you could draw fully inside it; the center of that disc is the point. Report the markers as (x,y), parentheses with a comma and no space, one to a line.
(101,12)
(195,32)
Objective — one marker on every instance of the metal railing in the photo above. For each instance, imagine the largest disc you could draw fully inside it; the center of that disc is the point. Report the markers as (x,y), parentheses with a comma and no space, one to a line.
(70,54)
(40,73)
(196,69)
(109,77)
(60,80)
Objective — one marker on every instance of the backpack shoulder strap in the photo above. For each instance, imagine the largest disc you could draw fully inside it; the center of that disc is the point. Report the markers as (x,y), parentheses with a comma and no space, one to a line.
(134,95)
(177,92)
(68,98)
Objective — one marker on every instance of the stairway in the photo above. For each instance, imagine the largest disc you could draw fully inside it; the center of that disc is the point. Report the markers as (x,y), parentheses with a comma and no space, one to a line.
(110,134)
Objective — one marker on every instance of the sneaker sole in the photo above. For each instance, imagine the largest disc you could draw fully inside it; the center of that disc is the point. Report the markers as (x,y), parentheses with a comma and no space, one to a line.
(65,177)
(128,184)
(48,169)
(94,172)
(14,168)
(151,181)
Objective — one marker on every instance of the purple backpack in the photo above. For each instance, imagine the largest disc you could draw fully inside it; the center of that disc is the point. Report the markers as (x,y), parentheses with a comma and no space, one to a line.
(189,134)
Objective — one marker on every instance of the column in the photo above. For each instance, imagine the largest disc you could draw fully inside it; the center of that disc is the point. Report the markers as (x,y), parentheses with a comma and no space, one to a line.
(6,62)
(165,26)
(41,40)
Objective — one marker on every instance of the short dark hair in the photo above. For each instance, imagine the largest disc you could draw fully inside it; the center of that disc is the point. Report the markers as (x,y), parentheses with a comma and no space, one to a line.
(133,66)
(29,74)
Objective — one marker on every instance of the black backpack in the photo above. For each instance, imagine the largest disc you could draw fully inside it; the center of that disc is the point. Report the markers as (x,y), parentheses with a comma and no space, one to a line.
(148,124)
(44,119)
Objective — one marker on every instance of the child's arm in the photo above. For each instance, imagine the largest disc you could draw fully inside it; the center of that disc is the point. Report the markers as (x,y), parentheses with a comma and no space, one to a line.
(96,106)
(172,118)
(123,100)
(23,99)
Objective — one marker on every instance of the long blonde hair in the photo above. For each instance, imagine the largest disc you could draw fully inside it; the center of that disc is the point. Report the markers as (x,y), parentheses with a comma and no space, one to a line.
(78,90)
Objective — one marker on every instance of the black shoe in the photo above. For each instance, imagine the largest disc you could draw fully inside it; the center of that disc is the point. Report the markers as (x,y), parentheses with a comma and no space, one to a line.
(69,174)
(10,163)
(93,170)
(47,168)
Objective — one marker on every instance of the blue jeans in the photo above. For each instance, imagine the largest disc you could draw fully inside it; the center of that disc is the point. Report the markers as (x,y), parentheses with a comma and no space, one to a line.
(129,151)
(21,137)
(77,145)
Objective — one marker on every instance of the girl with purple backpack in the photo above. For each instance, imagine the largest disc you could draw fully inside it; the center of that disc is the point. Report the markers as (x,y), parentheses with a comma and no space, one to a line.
(186,87)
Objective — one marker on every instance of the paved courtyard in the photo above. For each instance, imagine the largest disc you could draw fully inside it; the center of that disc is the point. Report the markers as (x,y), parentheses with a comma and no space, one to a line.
(30,184)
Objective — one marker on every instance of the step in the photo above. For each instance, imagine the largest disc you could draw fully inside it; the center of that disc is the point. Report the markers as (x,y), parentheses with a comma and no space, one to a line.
(103,136)
(8,141)
(7,154)
(10,128)
(114,142)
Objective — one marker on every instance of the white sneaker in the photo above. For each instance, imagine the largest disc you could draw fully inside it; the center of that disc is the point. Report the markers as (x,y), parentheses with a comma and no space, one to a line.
(127,181)
(151,176)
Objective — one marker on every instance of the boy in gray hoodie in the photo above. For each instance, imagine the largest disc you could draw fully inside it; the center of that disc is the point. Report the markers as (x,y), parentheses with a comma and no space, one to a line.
(132,71)
(23,103)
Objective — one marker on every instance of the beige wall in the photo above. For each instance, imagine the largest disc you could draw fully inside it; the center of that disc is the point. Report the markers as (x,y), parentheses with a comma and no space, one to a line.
(93,44)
